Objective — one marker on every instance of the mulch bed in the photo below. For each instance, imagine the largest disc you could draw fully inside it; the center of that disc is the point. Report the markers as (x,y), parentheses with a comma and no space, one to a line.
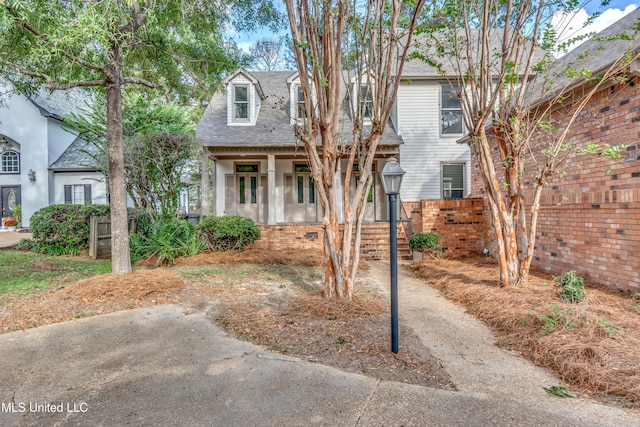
(594,345)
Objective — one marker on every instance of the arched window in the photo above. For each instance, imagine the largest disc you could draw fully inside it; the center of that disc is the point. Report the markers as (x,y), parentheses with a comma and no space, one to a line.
(9,162)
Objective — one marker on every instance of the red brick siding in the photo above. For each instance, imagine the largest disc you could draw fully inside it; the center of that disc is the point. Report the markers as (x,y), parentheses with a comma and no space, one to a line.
(290,236)
(459,222)
(590,218)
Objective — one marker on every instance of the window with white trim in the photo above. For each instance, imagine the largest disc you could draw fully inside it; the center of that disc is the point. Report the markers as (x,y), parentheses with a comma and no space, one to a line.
(366,102)
(241,102)
(450,111)
(301,111)
(77,194)
(453,181)
(10,162)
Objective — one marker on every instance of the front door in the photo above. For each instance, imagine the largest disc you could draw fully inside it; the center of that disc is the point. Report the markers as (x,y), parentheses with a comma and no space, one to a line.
(247,198)
(301,204)
(10,198)
(246,192)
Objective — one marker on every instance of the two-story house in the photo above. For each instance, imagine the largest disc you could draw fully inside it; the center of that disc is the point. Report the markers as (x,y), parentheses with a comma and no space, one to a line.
(42,159)
(256,168)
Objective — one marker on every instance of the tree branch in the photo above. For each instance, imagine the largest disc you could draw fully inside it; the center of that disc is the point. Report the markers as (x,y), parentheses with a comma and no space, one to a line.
(62,52)
(138,81)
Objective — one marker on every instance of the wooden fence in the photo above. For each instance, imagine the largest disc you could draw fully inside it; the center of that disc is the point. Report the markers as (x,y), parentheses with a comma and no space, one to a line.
(100,235)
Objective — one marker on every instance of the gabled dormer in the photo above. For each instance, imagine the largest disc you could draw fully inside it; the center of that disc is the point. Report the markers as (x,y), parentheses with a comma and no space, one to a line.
(361,95)
(244,97)
(297,109)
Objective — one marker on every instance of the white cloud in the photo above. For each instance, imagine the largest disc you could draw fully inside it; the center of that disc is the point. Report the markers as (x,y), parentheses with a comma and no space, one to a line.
(572,24)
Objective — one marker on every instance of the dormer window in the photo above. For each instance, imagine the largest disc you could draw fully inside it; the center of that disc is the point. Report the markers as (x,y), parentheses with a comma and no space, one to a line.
(244,98)
(241,102)
(301,111)
(366,102)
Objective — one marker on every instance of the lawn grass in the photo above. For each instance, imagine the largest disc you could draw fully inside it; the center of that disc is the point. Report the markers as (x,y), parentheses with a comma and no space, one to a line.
(26,271)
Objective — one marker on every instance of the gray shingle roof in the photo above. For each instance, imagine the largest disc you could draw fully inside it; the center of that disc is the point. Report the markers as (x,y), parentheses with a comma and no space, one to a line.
(272,127)
(596,54)
(78,157)
(59,104)
(428,46)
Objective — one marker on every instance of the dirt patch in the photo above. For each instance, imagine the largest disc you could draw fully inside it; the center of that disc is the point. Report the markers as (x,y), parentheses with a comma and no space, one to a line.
(594,346)
(351,335)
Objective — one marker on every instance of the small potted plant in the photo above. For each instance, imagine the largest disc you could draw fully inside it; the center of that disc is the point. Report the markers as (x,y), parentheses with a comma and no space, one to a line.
(17,213)
(10,222)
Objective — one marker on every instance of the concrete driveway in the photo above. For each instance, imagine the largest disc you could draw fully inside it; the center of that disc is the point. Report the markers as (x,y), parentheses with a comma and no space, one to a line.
(11,238)
(164,366)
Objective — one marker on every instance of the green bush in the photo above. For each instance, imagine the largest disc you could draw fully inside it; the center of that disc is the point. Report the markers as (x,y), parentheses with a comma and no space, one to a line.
(166,238)
(224,233)
(63,229)
(426,242)
(571,287)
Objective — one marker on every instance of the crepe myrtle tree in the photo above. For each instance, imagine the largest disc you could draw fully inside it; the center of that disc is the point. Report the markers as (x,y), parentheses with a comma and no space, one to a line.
(499,57)
(174,45)
(353,44)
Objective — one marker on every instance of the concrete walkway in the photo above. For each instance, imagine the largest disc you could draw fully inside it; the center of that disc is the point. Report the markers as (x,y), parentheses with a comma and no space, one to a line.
(11,238)
(164,366)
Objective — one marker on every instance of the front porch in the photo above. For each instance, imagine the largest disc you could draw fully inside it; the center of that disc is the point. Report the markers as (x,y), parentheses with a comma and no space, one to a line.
(277,187)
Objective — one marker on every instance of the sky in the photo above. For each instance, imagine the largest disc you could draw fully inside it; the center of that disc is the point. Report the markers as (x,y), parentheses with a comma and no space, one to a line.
(571,24)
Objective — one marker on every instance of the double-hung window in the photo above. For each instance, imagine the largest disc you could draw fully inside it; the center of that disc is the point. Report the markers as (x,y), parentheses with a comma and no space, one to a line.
(77,194)
(366,102)
(241,102)
(450,111)
(453,181)
(301,111)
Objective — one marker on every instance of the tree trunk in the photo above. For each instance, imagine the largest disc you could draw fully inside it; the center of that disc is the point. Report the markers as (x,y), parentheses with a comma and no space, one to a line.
(120,255)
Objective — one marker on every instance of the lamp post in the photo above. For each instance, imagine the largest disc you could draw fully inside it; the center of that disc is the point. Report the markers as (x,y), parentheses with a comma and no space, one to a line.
(392,175)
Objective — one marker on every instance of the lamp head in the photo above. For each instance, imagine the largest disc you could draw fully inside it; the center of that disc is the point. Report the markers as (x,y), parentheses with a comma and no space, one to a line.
(392,175)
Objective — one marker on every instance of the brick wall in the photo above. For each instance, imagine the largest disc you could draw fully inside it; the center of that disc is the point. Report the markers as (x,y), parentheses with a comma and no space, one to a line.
(459,222)
(590,218)
(290,236)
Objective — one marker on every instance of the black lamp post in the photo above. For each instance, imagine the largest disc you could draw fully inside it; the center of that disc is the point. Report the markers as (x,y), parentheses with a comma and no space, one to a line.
(392,175)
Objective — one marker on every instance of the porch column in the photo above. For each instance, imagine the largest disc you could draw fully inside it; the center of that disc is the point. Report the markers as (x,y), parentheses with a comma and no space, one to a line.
(204,183)
(271,180)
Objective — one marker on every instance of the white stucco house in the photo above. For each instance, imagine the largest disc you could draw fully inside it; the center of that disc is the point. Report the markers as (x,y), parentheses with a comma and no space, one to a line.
(42,160)
(260,171)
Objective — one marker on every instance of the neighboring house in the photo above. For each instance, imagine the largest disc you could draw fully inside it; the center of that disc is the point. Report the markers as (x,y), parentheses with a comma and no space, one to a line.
(261,171)
(589,218)
(42,160)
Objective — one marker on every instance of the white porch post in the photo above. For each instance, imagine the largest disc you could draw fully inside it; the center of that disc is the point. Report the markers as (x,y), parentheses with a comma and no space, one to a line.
(271,180)
(204,183)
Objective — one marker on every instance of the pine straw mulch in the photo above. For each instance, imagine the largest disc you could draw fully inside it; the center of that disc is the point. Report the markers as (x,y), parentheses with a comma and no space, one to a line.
(102,294)
(594,346)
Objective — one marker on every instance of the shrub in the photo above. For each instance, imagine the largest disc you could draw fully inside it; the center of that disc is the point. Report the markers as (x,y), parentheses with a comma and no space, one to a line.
(63,229)
(224,233)
(166,238)
(571,287)
(426,242)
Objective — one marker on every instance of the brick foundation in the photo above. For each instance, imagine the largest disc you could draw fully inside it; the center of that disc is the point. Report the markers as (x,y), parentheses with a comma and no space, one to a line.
(290,236)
